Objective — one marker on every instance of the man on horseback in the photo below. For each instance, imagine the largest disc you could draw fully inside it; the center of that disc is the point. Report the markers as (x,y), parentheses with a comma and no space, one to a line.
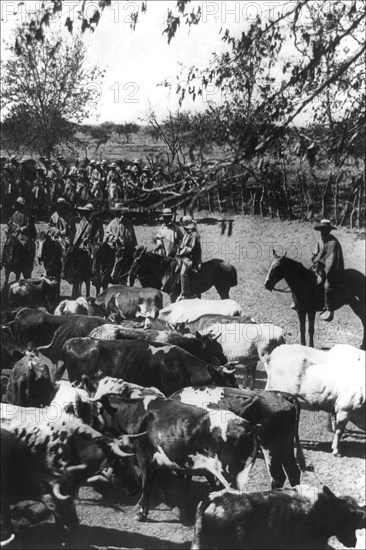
(90,229)
(189,256)
(21,225)
(169,236)
(63,221)
(120,235)
(330,258)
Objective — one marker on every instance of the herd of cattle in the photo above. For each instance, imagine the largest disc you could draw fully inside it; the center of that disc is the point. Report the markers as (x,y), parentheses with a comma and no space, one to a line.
(117,390)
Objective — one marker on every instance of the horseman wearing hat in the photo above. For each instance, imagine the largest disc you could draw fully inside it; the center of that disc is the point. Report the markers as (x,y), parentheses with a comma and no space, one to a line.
(190,255)
(90,229)
(169,236)
(328,255)
(21,225)
(63,221)
(120,231)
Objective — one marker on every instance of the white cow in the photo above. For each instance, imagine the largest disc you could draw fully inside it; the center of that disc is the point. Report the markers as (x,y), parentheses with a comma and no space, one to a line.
(74,400)
(247,343)
(80,306)
(189,310)
(332,381)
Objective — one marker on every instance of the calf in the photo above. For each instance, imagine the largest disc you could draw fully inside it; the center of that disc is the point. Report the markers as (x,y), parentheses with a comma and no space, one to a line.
(276,417)
(181,437)
(203,347)
(285,518)
(80,306)
(33,293)
(29,383)
(125,302)
(167,368)
(189,310)
(331,381)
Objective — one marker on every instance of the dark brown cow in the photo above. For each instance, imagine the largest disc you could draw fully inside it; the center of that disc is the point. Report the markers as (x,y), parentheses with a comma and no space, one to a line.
(50,332)
(285,518)
(30,383)
(181,438)
(204,347)
(168,368)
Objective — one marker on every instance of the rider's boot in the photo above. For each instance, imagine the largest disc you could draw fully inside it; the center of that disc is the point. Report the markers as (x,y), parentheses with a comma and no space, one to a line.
(328,312)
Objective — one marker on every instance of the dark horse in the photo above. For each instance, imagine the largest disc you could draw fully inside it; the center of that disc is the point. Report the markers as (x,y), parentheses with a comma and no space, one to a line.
(308,295)
(17,257)
(122,265)
(102,265)
(156,271)
(78,269)
(49,252)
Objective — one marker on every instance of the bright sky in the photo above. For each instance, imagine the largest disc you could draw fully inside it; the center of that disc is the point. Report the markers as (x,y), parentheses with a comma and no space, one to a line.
(136,61)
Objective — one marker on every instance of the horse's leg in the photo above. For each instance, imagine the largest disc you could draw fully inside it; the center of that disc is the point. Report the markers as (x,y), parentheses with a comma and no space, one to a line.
(311,320)
(223,292)
(302,320)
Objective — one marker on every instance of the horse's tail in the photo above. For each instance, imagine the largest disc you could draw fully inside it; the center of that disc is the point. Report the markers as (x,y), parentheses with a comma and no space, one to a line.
(355,282)
(232,277)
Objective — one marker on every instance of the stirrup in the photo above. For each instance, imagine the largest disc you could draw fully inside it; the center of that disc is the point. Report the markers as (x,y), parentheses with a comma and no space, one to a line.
(327,315)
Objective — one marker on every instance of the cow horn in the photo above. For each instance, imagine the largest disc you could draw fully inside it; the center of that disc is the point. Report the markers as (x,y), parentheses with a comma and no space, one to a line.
(118,452)
(215,337)
(228,371)
(135,436)
(7,541)
(57,493)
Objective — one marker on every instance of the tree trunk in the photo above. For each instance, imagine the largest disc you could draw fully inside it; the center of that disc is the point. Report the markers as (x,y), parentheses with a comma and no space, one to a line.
(325,194)
(285,189)
(218,199)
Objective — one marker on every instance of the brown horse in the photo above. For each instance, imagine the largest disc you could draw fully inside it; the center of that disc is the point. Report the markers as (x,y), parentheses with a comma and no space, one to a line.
(308,295)
(158,272)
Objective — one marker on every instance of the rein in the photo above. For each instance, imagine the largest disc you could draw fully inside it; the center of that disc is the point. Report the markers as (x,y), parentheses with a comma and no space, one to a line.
(282,290)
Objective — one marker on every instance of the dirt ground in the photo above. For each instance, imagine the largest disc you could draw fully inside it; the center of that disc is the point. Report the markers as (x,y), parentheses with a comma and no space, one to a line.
(108,522)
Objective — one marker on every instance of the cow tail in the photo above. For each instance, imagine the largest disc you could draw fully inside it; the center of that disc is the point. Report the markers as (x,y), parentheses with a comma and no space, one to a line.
(300,457)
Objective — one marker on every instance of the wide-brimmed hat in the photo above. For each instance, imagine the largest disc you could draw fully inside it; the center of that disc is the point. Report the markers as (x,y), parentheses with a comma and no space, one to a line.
(167,212)
(21,200)
(324,224)
(113,165)
(136,161)
(87,208)
(92,161)
(13,157)
(61,202)
(104,161)
(118,207)
(188,222)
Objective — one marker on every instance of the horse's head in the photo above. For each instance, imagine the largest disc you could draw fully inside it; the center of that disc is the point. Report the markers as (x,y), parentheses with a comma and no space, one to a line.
(136,264)
(118,266)
(276,272)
